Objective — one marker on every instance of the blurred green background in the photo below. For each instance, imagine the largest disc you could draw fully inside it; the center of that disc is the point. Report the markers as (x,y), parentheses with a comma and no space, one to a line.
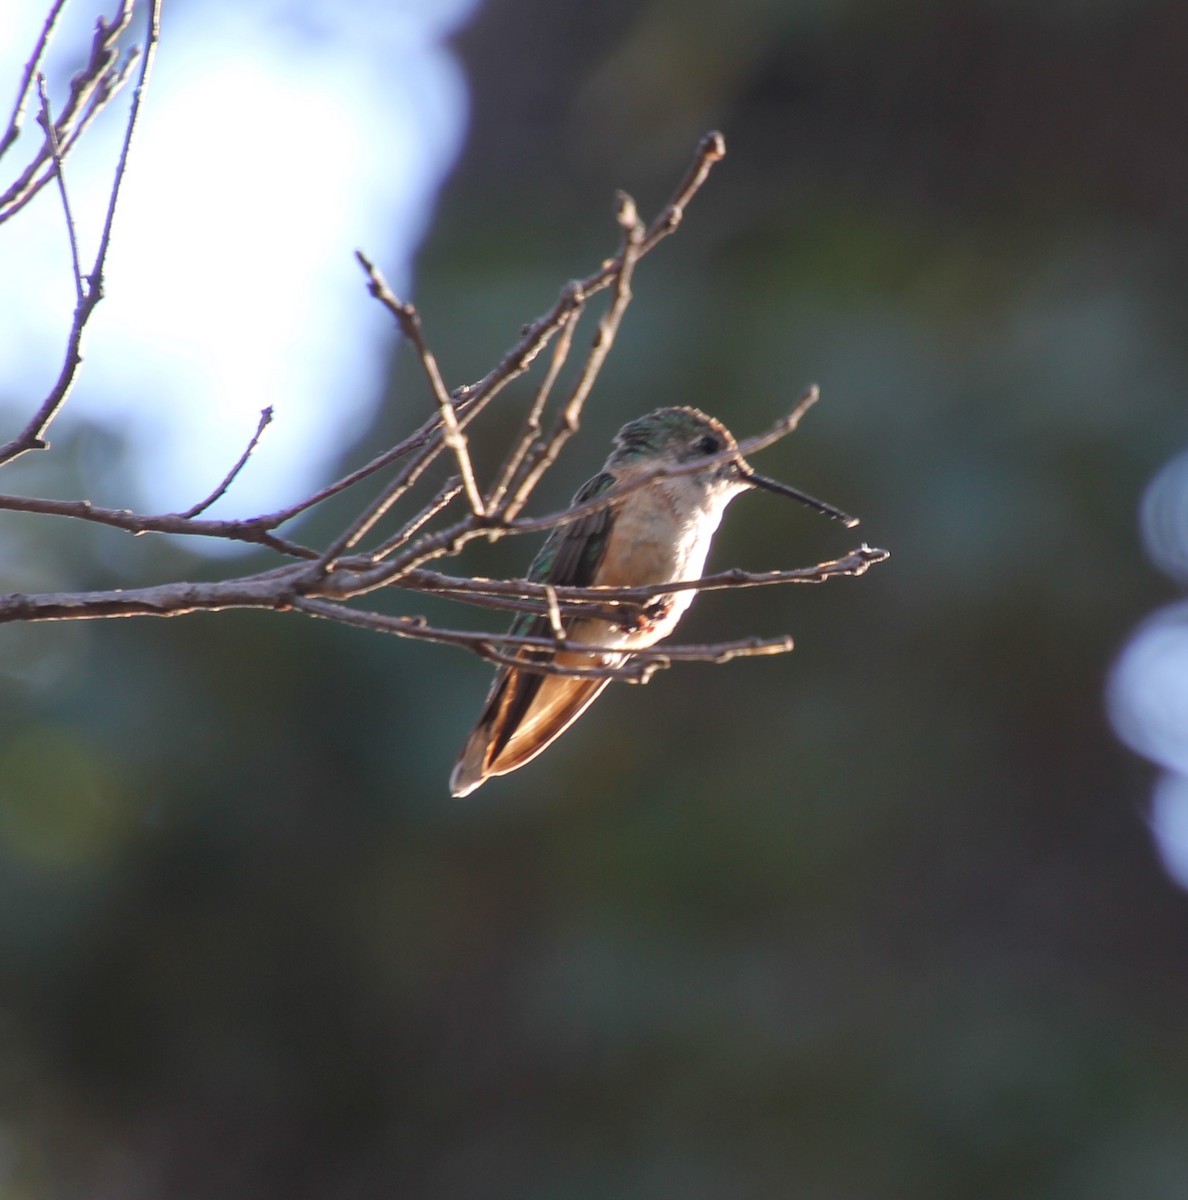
(883,918)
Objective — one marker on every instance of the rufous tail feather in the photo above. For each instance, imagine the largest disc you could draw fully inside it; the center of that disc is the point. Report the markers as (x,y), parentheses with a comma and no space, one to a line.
(524,713)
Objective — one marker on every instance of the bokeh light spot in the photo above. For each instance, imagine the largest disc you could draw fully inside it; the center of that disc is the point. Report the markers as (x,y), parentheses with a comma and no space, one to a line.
(1164,518)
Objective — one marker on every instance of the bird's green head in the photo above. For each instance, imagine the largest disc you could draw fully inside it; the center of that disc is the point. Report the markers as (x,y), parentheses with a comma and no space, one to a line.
(680,437)
(673,436)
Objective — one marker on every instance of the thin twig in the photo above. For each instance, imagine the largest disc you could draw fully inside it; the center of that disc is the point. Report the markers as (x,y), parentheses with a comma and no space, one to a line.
(240,463)
(567,424)
(91,89)
(536,334)
(856,562)
(710,150)
(406,532)
(18,109)
(149,51)
(532,423)
(139,523)
(409,321)
(485,643)
(90,84)
(32,437)
(415,441)
(51,134)
(553,609)
(359,528)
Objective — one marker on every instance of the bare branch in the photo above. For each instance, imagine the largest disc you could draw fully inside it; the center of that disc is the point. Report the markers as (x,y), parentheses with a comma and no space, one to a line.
(148,54)
(32,437)
(409,321)
(532,422)
(321,582)
(240,463)
(408,530)
(270,590)
(536,335)
(251,531)
(18,109)
(567,425)
(710,151)
(51,135)
(856,562)
(91,89)
(487,645)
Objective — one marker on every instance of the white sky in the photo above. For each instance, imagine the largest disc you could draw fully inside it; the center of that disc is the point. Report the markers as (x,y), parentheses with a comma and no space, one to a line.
(277,136)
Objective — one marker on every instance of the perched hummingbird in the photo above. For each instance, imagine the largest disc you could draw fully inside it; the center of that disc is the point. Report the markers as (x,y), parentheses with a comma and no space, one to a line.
(658,533)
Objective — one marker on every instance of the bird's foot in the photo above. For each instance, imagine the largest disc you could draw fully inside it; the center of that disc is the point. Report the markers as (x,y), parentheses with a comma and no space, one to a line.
(649,617)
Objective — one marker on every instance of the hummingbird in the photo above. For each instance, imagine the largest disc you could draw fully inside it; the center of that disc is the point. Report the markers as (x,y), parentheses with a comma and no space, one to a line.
(659,532)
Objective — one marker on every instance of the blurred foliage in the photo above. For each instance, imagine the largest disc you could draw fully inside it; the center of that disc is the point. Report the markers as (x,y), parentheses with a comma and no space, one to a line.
(879,919)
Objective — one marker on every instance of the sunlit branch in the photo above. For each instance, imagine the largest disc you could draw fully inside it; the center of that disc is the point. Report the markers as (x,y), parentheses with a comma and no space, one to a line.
(498,647)
(249,531)
(32,437)
(366,555)
(409,321)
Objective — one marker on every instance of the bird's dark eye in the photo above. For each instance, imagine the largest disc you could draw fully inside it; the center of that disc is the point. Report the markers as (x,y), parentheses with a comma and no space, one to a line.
(707,445)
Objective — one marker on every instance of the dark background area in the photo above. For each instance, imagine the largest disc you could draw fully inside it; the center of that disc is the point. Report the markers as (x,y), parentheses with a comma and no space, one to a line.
(882,918)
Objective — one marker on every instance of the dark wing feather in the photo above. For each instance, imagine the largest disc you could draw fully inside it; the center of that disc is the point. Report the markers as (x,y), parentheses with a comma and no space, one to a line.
(569,558)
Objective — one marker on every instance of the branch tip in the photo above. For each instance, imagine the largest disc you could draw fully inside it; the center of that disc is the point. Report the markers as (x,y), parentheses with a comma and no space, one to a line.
(712,146)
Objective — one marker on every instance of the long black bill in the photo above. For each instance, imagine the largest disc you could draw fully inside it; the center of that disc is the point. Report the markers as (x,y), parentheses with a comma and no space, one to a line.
(782,489)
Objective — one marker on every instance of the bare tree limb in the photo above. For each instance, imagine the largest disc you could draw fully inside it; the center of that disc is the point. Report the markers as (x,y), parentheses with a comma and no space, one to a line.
(250,531)
(496,647)
(84,88)
(366,554)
